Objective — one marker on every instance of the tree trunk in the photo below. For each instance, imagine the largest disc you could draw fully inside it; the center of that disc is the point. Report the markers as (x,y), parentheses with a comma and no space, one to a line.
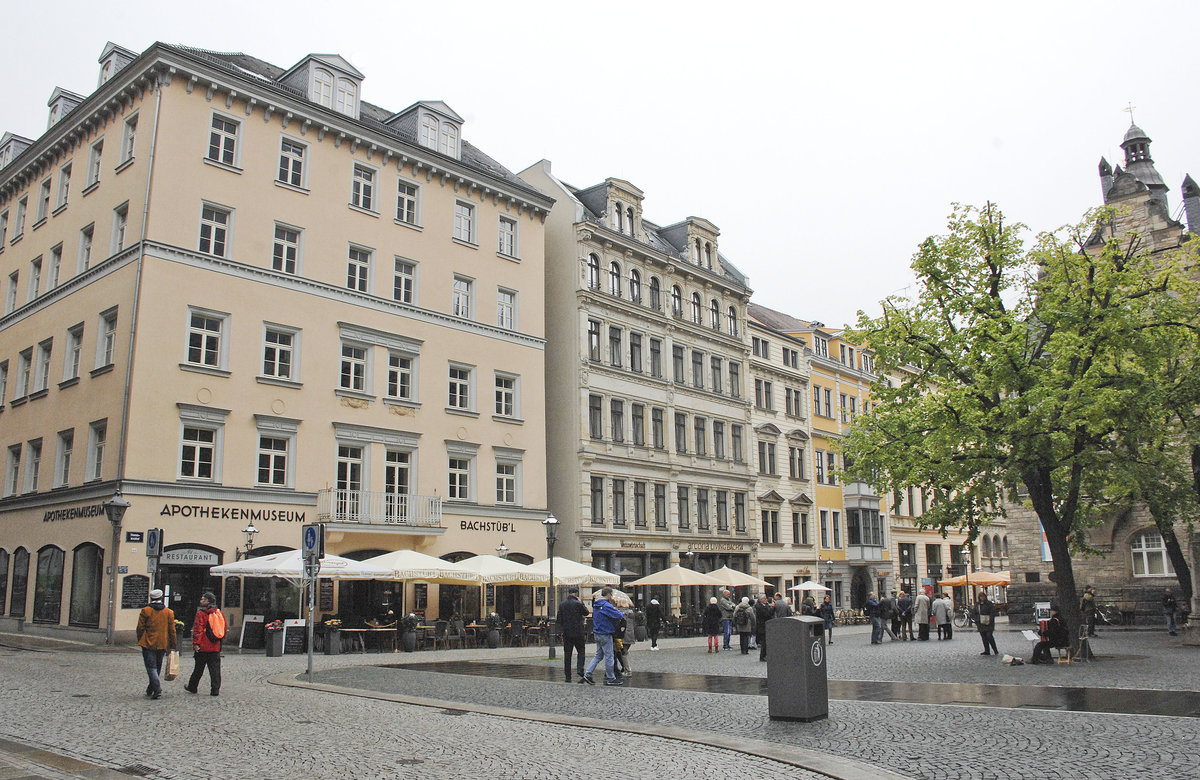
(1057,537)
(1179,561)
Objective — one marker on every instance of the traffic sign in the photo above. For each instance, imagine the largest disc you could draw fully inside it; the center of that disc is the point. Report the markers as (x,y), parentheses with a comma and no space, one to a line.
(151,565)
(154,542)
(311,570)
(312,542)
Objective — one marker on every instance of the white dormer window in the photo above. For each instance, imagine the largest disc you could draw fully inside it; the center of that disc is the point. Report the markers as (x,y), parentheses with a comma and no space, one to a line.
(448,139)
(429,131)
(438,133)
(347,97)
(322,89)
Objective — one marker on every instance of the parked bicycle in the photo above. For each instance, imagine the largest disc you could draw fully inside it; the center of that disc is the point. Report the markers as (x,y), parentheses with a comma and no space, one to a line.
(962,617)
(1109,615)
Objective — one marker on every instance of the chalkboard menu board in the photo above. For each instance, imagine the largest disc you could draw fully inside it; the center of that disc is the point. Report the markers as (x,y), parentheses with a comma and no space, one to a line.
(135,591)
(252,632)
(233,592)
(325,596)
(295,635)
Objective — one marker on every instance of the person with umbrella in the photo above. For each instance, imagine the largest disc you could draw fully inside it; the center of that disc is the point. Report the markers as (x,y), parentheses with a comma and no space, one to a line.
(605,618)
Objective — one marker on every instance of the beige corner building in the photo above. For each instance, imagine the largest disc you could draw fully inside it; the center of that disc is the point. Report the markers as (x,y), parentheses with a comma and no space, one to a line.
(246,297)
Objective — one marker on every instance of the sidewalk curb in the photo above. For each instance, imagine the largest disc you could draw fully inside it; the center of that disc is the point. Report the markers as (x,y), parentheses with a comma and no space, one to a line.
(826,764)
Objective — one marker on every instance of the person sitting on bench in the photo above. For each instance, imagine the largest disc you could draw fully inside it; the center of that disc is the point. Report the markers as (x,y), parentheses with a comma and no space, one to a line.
(1055,636)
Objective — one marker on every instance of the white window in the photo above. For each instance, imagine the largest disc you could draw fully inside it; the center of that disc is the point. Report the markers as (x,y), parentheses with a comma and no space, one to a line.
(95,158)
(291,162)
(459,478)
(354,364)
(197,457)
(207,345)
(408,202)
(35,277)
(106,340)
(3,229)
(12,479)
(322,88)
(43,202)
(400,377)
(24,371)
(696,308)
(459,387)
(820,346)
(397,478)
(54,270)
(508,236)
(404,283)
(614,279)
(10,296)
(64,187)
(273,460)
(362,188)
(33,465)
(74,352)
(347,97)
(285,252)
(506,483)
(1150,555)
(3,381)
(41,374)
(222,140)
(214,230)
(461,292)
(62,458)
(448,139)
(85,248)
(358,270)
(120,221)
(506,309)
(281,352)
(507,386)
(19,225)
(349,482)
(129,138)
(593,272)
(429,131)
(464,222)
(97,437)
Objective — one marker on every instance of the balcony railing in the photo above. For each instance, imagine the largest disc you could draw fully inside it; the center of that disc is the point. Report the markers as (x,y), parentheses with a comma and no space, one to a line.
(368,508)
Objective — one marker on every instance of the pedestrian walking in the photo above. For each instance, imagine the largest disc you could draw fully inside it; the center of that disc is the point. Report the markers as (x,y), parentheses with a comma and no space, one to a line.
(572,615)
(743,621)
(206,646)
(895,609)
(156,636)
(764,610)
(887,613)
(871,609)
(1087,609)
(727,606)
(985,618)
(905,605)
(605,618)
(943,610)
(1169,606)
(825,612)
(921,616)
(654,618)
(712,625)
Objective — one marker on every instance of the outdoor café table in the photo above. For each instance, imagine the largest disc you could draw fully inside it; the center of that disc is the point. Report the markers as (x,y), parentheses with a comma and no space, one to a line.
(382,634)
(481,632)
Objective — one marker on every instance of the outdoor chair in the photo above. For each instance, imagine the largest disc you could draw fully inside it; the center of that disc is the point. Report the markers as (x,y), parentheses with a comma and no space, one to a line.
(516,633)
(439,633)
(459,634)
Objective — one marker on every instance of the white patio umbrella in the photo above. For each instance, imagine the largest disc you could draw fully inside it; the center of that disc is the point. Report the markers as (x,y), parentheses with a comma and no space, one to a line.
(290,566)
(568,572)
(619,599)
(412,566)
(676,575)
(501,571)
(735,578)
(808,585)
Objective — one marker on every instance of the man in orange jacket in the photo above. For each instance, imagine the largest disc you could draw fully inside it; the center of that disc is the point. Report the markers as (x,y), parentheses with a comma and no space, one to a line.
(155,635)
(207,651)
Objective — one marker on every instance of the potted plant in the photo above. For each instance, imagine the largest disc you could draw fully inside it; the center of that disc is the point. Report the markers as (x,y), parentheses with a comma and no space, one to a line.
(333,637)
(408,632)
(274,636)
(494,624)
(639,625)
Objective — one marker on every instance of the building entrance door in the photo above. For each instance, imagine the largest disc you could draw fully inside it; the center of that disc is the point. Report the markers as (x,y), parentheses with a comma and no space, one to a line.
(184,585)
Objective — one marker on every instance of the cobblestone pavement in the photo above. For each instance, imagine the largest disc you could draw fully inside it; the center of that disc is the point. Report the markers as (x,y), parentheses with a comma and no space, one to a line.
(88,706)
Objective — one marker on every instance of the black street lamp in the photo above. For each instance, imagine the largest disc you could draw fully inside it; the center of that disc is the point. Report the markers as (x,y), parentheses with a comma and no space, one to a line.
(114,510)
(249,531)
(551,524)
(502,550)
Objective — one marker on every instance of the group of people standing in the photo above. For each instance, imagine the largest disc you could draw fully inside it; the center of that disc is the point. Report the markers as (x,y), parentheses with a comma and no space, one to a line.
(896,616)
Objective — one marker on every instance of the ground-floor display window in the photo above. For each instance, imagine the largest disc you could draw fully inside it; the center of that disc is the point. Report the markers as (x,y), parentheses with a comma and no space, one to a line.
(20,582)
(47,591)
(87,572)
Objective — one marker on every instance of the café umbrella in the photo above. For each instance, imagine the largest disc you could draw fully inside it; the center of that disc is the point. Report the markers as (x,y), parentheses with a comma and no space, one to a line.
(568,572)
(736,579)
(676,575)
(413,566)
(290,566)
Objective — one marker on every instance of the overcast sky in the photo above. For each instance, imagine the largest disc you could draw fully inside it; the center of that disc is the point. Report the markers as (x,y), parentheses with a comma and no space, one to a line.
(824,140)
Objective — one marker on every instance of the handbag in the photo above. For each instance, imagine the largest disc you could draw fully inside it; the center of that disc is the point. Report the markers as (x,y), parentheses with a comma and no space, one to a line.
(172,666)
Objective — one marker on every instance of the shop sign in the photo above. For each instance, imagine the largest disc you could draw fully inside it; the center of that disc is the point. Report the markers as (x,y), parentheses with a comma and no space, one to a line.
(717,547)
(188,556)
(93,510)
(487,525)
(229,513)
(633,545)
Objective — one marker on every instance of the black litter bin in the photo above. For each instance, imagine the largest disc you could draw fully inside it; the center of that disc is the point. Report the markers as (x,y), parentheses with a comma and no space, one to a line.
(797,679)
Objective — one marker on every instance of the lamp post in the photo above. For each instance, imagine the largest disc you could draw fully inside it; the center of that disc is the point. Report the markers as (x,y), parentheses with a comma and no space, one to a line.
(965,554)
(827,564)
(502,550)
(551,524)
(249,531)
(114,510)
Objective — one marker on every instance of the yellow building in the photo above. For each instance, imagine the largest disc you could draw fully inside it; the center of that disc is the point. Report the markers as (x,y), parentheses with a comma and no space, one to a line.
(244,296)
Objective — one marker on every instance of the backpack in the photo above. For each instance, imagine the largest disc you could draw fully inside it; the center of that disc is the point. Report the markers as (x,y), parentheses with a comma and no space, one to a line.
(214,626)
(742,617)
(619,627)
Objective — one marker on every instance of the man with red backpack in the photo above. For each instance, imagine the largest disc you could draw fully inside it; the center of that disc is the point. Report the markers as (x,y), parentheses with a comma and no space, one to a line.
(207,632)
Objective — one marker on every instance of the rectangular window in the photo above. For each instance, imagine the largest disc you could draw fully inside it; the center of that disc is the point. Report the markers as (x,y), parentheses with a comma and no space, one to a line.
(680,432)
(699,427)
(24,372)
(129,138)
(85,248)
(107,340)
(836,524)
(735,438)
(677,363)
(759,347)
(660,505)
(799,528)
(214,230)
(718,439)
(593,340)
(816,391)
(97,437)
(791,357)
(62,459)
(685,519)
(657,432)
(597,500)
(795,463)
(843,405)
(506,483)
(19,225)
(404,282)
(723,511)
(397,474)
(770,526)
(33,467)
(120,222)
(459,479)
(697,369)
(735,379)
(506,395)
(400,377)
(41,375)
(64,186)
(277,353)
(95,157)
(819,464)
(459,388)
(358,270)
(506,309)
(616,419)
(464,222)
(362,188)
(272,461)
(54,270)
(508,237)
(828,394)
(717,384)
(204,340)
(637,415)
(3,228)
(656,368)
(614,345)
(12,481)
(222,140)
(460,302)
(635,352)
(618,495)
(639,504)
(10,296)
(702,509)
(43,202)
(35,277)
(766,458)
(407,201)
(197,453)
(824,521)
(74,352)
(831,467)
(291,162)
(595,424)
(285,251)
(353,370)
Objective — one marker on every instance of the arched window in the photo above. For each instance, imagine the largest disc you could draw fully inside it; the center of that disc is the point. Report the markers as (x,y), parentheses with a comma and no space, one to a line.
(87,580)
(655,294)
(676,301)
(1150,555)
(696,307)
(3,579)
(733,328)
(996,545)
(20,582)
(347,90)
(714,314)
(323,87)
(614,279)
(696,252)
(448,139)
(620,215)
(707,255)
(47,590)
(1006,546)
(429,131)
(593,272)
(629,218)
(635,286)
(986,547)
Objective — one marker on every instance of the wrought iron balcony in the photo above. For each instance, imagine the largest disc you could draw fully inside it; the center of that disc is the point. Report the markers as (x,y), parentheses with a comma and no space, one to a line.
(369,508)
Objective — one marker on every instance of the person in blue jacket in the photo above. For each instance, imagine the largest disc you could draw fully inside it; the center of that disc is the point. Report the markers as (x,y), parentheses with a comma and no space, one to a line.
(605,618)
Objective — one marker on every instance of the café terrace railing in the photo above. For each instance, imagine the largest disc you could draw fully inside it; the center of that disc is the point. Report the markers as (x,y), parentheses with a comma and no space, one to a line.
(371,508)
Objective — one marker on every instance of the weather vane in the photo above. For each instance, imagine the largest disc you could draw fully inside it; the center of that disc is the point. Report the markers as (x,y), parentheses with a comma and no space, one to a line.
(1129,108)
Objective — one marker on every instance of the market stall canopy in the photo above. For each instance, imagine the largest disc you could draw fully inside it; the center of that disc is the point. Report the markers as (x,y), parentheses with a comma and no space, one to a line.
(568,572)
(501,571)
(735,578)
(412,566)
(808,585)
(619,598)
(676,575)
(290,566)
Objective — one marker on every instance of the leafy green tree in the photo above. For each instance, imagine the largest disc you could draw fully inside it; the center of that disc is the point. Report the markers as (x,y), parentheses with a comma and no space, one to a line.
(1020,370)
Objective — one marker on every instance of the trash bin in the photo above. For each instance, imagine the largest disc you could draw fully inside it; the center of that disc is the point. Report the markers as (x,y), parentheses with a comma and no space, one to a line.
(797,679)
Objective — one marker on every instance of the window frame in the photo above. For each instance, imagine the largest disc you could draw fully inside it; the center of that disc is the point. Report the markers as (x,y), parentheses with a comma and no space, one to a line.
(291,165)
(213,232)
(224,146)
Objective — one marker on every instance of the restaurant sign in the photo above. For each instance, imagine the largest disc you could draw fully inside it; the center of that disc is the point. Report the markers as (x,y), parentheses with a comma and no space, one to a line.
(189,556)
(717,546)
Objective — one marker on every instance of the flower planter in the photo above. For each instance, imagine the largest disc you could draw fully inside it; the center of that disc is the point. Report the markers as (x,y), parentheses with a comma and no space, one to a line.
(408,640)
(333,641)
(493,638)
(274,644)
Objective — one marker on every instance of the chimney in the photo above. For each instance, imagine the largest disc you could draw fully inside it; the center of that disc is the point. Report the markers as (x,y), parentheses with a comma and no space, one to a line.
(1191,204)
(1106,179)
